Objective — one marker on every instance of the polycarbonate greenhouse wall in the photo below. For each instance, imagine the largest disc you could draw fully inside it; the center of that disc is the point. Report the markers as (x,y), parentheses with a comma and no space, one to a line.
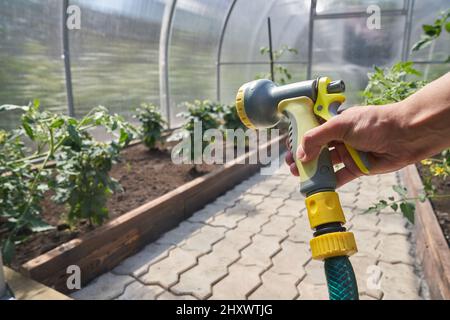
(170,51)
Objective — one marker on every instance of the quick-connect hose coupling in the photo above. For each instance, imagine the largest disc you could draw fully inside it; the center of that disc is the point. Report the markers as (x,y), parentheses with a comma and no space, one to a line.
(327,218)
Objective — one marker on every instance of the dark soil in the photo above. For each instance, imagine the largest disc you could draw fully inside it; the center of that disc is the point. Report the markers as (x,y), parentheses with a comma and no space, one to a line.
(441,206)
(143,174)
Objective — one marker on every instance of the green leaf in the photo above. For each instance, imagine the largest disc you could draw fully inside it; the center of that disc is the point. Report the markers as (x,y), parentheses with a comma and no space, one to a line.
(422,197)
(447,27)
(400,190)
(57,123)
(408,209)
(430,30)
(124,136)
(28,130)
(394,206)
(74,136)
(8,251)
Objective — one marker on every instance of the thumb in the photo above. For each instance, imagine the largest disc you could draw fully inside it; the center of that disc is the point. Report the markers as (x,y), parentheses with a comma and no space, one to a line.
(313,140)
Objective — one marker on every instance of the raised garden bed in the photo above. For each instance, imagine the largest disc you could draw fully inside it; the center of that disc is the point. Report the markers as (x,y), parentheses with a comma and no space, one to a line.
(154,211)
(144,176)
(432,248)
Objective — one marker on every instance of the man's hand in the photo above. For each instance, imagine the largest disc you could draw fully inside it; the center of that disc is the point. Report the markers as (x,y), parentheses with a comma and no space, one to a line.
(393,135)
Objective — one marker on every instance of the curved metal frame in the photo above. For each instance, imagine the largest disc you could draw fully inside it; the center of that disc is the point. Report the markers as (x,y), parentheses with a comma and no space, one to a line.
(219,48)
(66,57)
(164,42)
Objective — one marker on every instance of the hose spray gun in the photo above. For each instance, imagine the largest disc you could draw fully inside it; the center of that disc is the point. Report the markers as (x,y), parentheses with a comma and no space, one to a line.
(261,104)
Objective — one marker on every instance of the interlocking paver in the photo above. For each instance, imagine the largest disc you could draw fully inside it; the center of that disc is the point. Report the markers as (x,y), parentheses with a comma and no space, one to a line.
(179,235)
(260,251)
(253,243)
(170,296)
(106,287)
(203,240)
(138,264)
(230,218)
(398,281)
(293,208)
(239,283)
(276,286)
(207,213)
(212,267)
(393,223)
(277,226)
(395,249)
(301,231)
(138,291)
(309,290)
(291,259)
(166,271)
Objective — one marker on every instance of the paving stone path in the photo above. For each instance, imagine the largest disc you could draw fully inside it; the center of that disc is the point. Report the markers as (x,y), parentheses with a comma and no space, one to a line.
(253,243)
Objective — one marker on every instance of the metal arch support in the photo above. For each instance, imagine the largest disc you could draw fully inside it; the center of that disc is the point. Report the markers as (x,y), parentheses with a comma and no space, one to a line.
(219,48)
(164,42)
(312,14)
(66,57)
(408,27)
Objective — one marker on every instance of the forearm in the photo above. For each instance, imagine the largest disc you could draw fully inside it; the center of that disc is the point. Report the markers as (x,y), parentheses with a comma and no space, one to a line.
(425,117)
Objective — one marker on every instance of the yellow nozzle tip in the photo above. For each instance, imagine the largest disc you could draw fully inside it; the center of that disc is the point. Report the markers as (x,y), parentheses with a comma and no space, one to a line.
(241,109)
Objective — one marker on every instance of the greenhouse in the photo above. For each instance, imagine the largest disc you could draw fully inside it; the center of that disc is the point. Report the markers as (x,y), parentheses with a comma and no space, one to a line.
(130,168)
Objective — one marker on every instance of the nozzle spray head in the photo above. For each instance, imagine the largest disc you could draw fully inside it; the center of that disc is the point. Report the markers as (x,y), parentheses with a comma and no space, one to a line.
(257,101)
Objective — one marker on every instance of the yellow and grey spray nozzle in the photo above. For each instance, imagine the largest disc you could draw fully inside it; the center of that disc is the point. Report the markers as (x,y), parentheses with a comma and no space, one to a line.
(261,103)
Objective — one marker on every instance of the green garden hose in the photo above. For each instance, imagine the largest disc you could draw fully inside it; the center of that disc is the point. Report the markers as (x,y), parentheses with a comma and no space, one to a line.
(341,279)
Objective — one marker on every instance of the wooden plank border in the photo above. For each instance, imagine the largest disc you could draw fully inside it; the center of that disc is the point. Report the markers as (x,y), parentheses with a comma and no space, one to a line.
(105,247)
(432,249)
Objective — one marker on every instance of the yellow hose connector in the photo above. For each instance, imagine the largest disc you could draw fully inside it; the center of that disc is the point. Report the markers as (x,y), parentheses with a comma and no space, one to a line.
(324,207)
(334,244)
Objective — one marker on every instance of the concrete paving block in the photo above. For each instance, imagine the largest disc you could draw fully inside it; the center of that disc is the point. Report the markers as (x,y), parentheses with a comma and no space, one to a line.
(260,251)
(366,240)
(315,272)
(393,224)
(170,296)
(276,287)
(291,259)
(293,208)
(106,287)
(278,226)
(138,264)
(138,291)
(230,218)
(308,290)
(367,272)
(166,271)
(301,231)
(203,240)
(206,214)
(367,221)
(399,282)
(395,249)
(254,221)
(270,204)
(178,235)
(240,282)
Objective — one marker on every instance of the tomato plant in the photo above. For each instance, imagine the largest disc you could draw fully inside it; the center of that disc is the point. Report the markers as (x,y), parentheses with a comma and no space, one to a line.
(203,114)
(152,124)
(80,179)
